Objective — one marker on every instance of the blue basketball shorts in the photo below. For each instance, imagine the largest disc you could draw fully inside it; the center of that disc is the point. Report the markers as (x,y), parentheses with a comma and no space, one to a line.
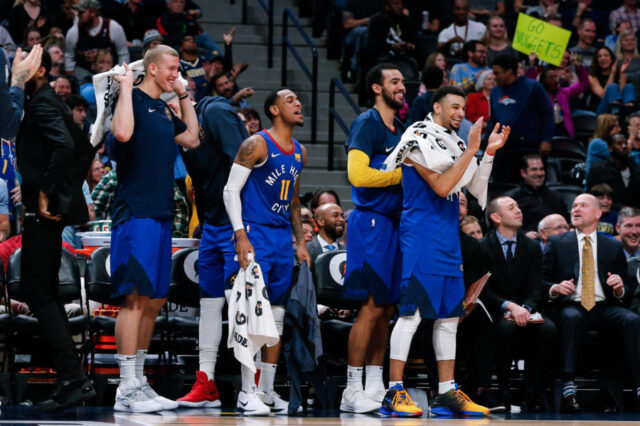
(374,260)
(216,264)
(274,253)
(437,296)
(141,257)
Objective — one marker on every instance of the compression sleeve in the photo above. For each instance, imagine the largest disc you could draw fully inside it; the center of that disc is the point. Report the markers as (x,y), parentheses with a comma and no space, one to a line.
(231,195)
(361,175)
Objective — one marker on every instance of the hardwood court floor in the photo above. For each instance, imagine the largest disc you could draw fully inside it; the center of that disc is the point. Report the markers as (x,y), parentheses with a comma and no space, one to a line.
(94,416)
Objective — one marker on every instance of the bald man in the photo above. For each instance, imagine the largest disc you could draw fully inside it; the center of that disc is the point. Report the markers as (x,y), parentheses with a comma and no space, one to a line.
(330,221)
(553,224)
(585,276)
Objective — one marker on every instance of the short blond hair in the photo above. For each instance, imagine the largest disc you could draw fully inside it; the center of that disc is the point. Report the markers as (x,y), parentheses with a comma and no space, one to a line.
(153,55)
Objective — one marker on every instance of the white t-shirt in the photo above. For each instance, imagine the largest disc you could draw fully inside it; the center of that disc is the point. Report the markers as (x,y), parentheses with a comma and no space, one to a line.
(472,31)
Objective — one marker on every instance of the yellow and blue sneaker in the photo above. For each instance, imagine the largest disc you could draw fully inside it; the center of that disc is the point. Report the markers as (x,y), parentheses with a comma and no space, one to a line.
(456,403)
(398,403)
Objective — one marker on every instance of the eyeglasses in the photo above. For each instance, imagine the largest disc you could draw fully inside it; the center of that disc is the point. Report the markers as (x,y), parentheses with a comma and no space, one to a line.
(563,227)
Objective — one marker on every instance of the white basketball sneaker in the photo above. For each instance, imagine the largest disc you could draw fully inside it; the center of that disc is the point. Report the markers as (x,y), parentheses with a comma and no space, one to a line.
(148,391)
(356,401)
(250,404)
(377,395)
(134,400)
(277,405)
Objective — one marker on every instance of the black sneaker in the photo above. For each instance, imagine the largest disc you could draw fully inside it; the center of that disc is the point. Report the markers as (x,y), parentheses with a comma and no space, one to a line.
(485,398)
(68,393)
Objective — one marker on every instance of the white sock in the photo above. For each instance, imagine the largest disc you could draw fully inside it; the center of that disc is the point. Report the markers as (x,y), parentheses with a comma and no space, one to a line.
(248,379)
(127,365)
(140,356)
(444,387)
(393,383)
(444,338)
(402,335)
(373,378)
(209,333)
(267,377)
(354,377)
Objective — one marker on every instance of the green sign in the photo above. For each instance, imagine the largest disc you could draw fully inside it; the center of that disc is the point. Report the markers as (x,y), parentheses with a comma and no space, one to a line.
(548,41)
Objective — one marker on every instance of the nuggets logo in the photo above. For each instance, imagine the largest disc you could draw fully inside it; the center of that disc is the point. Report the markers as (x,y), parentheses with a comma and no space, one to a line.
(201,133)
(168,113)
(240,318)
(298,157)
(506,100)
(138,80)
(259,308)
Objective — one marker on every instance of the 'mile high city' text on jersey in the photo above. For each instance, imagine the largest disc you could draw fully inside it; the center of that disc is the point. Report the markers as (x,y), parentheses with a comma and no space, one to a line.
(266,197)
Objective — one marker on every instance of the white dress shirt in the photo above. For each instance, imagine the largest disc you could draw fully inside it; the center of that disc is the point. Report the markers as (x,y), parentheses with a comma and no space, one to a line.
(323,244)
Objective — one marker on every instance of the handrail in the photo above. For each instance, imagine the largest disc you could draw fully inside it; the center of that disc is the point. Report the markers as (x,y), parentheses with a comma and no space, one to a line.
(312,75)
(334,115)
(269,9)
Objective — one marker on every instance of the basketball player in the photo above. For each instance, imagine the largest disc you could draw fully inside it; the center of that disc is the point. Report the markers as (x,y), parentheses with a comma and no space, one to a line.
(432,281)
(373,251)
(221,133)
(145,130)
(261,198)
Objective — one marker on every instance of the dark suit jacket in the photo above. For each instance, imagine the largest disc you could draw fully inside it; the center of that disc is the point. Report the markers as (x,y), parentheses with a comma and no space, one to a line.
(536,204)
(521,285)
(562,262)
(605,172)
(54,156)
(314,249)
(473,261)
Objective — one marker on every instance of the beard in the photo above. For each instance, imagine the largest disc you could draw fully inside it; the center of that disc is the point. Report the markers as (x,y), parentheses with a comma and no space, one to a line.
(390,101)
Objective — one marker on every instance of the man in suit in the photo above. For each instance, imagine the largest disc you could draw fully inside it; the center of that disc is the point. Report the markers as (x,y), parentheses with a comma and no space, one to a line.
(515,291)
(330,221)
(585,276)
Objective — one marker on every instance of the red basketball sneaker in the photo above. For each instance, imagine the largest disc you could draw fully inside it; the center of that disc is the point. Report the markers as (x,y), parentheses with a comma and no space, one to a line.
(204,393)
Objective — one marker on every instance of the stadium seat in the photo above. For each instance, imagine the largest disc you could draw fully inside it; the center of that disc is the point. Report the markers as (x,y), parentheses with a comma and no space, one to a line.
(584,123)
(568,192)
(328,276)
(184,290)
(565,147)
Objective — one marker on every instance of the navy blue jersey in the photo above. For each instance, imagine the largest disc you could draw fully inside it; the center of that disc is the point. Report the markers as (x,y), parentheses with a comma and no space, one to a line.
(195,72)
(266,196)
(221,134)
(370,135)
(428,228)
(145,162)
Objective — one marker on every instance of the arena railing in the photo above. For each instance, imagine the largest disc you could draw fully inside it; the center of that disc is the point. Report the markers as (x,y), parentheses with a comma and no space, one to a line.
(312,75)
(268,8)
(335,116)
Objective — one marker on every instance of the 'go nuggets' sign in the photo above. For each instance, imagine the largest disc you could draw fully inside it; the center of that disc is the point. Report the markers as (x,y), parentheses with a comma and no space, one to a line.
(548,41)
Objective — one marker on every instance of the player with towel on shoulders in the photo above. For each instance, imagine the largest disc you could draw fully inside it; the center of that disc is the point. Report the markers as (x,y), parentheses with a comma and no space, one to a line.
(436,164)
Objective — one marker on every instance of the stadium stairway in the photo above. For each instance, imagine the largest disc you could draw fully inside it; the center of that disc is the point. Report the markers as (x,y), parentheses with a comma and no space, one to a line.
(250,45)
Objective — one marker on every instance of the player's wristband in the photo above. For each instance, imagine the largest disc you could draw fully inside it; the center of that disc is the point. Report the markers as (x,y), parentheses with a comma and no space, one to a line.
(185,96)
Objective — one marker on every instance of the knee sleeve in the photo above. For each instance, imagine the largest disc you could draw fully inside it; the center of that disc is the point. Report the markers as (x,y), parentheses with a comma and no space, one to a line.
(402,336)
(444,338)
(278,317)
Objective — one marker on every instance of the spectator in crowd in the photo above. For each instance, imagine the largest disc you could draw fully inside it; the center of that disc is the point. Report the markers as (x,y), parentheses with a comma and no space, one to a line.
(465,75)
(612,39)
(392,39)
(609,218)
(608,82)
(554,224)
(544,9)
(571,19)
(323,196)
(7,43)
(432,78)
(534,198)
(57,61)
(191,66)
(627,12)
(451,39)
(619,173)
(470,225)
(105,191)
(51,156)
(176,22)
(497,40)
(561,96)
(586,37)
(31,36)
(481,10)
(626,52)
(28,13)
(96,172)
(152,38)
(251,120)
(103,61)
(355,19)
(79,107)
(309,233)
(63,86)
(633,127)
(524,105)
(329,219)
(585,276)
(92,32)
(436,59)
(223,86)
(136,17)
(628,227)
(598,150)
(478,101)
(513,293)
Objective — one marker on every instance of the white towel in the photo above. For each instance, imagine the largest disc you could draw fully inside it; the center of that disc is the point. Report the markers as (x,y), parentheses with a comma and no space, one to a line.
(251,323)
(436,148)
